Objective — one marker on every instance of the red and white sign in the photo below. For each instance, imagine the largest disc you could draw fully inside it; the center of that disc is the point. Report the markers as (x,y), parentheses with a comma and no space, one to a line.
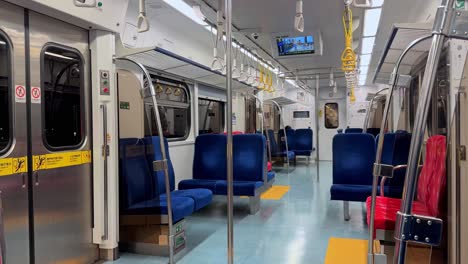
(36,95)
(20,94)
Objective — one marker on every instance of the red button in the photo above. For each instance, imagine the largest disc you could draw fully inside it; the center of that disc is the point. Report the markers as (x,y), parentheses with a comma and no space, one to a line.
(106,90)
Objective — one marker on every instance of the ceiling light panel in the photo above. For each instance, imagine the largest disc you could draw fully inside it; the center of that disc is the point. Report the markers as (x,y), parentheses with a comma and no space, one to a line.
(371,21)
(367,45)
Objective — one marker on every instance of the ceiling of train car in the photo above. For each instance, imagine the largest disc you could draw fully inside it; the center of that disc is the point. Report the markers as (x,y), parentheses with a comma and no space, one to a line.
(267,17)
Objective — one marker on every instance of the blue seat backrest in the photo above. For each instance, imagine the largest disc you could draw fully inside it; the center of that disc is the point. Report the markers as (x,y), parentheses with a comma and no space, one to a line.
(249,157)
(387,150)
(153,153)
(304,139)
(272,138)
(400,156)
(353,130)
(353,158)
(209,162)
(291,134)
(135,178)
(373,130)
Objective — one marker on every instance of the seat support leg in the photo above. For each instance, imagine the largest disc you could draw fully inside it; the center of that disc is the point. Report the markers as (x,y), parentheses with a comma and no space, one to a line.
(254,204)
(346,210)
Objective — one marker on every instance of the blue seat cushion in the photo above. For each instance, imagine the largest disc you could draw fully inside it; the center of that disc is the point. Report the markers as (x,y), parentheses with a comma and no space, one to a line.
(181,207)
(290,154)
(359,193)
(302,152)
(246,188)
(196,184)
(270,175)
(201,197)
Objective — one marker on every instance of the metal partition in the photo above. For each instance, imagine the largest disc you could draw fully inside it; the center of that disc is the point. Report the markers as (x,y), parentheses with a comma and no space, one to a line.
(159,165)
(280,110)
(369,109)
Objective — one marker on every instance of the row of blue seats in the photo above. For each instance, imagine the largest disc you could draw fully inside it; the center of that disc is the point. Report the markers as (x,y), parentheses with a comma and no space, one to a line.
(353,160)
(372,130)
(250,176)
(300,143)
(142,191)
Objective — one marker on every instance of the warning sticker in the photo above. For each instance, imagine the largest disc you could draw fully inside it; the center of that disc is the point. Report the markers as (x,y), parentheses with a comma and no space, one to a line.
(20,94)
(11,166)
(36,95)
(60,160)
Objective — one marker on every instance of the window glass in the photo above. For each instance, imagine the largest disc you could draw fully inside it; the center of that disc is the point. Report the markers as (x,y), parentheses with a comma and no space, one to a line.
(331,116)
(5,88)
(62,84)
(210,116)
(174,111)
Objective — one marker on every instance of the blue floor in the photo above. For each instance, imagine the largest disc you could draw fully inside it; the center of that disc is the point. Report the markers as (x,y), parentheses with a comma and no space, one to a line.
(293,230)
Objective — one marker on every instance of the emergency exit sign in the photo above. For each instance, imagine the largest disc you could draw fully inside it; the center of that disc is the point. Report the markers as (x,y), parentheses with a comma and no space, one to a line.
(460,4)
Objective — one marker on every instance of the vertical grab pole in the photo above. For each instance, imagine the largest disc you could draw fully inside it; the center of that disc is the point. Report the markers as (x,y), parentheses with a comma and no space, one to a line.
(2,233)
(163,151)
(267,136)
(378,155)
(105,154)
(230,209)
(317,110)
(418,135)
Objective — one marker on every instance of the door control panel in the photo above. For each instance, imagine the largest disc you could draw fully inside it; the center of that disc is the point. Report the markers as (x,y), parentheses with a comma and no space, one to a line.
(104,82)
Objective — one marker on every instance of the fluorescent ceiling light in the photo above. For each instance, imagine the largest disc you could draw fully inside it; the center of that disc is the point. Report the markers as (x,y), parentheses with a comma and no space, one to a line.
(364,70)
(293,83)
(377,3)
(365,60)
(58,56)
(186,10)
(367,45)
(371,21)
(2,42)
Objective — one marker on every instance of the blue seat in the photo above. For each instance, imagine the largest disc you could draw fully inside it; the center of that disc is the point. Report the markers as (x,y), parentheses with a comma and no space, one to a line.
(353,130)
(249,165)
(275,151)
(303,142)
(137,195)
(373,131)
(201,196)
(353,160)
(291,135)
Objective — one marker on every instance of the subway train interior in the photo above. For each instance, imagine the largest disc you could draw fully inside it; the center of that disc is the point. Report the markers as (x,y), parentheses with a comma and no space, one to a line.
(233,131)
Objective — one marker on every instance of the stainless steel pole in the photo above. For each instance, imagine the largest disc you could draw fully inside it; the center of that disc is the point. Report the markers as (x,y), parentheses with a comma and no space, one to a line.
(317,125)
(230,193)
(417,140)
(378,157)
(163,152)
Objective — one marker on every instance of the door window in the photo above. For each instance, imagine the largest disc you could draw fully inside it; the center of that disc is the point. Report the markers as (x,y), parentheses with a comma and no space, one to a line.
(331,116)
(62,85)
(5,96)
(210,116)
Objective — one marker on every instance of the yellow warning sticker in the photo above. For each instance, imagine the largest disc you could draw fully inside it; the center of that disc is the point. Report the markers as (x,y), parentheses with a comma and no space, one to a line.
(13,165)
(60,160)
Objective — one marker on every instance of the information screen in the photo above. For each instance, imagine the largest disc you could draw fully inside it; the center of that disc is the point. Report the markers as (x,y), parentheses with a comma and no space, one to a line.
(295,45)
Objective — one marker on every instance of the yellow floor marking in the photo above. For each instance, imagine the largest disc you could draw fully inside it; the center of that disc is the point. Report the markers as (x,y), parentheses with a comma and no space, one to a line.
(346,251)
(276,192)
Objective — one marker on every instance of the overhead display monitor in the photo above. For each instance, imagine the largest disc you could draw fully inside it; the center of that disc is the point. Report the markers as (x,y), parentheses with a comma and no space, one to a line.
(298,45)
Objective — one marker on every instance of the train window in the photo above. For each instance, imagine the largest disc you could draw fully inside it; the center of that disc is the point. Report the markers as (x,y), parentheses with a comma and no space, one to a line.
(210,116)
(5,88)
(331,116)
(174,111)
(63,87)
